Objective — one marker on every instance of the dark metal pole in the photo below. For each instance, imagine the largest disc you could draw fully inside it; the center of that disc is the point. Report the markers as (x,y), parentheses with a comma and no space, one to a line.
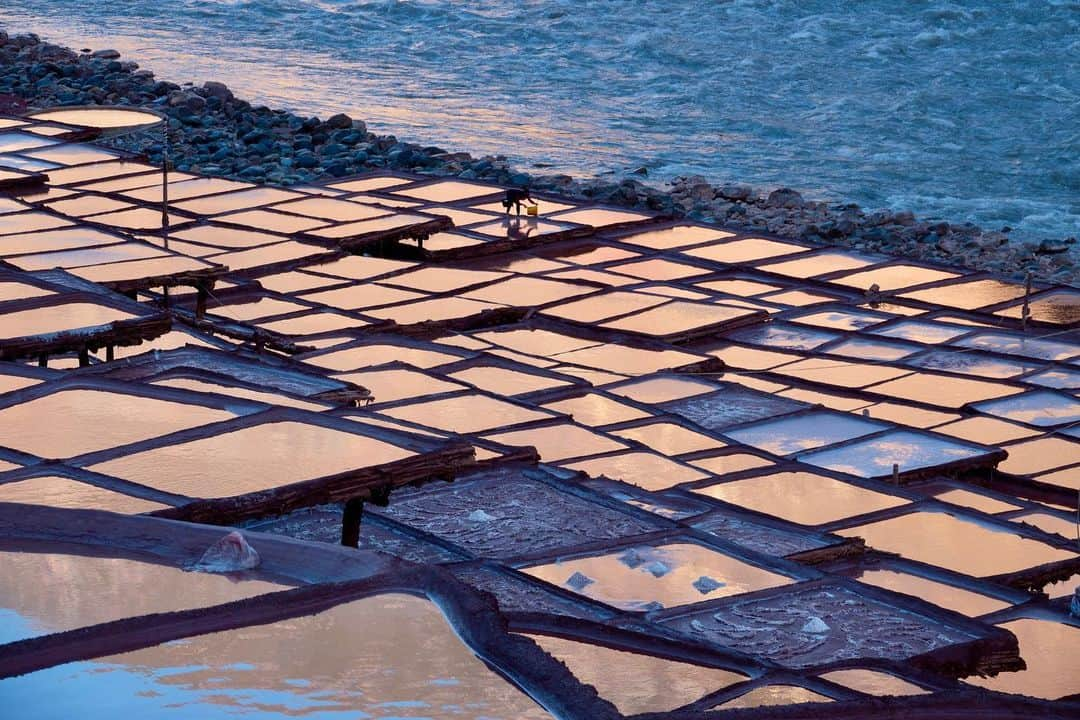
(165,185)
(1026,310)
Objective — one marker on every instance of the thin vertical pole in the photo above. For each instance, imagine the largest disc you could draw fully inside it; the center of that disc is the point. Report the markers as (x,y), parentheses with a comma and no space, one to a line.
(1026,310)
(165,186)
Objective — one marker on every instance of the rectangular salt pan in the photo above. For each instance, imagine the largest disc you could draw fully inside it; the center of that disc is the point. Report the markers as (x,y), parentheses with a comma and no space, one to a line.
(73,422)
(788,337)
(678,317)
(942,391)
(599,217)
(494,515)
(1041,408)
(363,227)
(51,240)
(732,405)
(58,318)
(670,439)
(941,539)
(559,442)
(139,269)
(25,222)
(894,277)
(820,263)
(254,458)
(628,360)
(675,237)
(448,191)
(744,251)
(637,683)
(804,432)
(466,414)
(596,410)
(391,385)
(951,597)
(645,577)
(974,363)
(816,625)
(215,204)
(875,457)
(437,310)
(646,470)
(90,256)
(67,493)
(801,497)
(1021,345)
(601,307)
(1048,648)
(365,356)
(503,381)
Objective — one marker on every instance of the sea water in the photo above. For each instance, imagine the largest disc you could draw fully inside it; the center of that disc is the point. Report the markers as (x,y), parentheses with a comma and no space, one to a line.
(962,111)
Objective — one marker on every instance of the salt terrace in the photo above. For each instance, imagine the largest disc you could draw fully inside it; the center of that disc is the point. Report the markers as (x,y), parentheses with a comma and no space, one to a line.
(586,464)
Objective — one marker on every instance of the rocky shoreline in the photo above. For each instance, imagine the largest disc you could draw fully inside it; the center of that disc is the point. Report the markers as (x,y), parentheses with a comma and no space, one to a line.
(215,133)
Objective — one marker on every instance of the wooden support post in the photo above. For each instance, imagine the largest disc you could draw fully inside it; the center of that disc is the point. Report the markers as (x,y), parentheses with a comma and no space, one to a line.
(200,300)
(896,474)
(43,360)
(350,522)
(110,353)
(84,356)
(165,296)
(381,496)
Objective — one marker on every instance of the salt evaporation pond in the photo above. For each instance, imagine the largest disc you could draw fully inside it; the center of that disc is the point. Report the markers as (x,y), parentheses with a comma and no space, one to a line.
(389,656)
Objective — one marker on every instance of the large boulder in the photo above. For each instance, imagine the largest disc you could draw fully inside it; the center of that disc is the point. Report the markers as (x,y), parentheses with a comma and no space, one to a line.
(784,198)
(217,90)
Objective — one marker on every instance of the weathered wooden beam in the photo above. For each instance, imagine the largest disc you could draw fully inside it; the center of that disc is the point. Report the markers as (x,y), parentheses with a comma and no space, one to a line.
(1035,578)
(385,239)
(244,333)
(186,278)
(119,332)
(345,398)
(21,181)
(428,329)
(441,464)
(850,547)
